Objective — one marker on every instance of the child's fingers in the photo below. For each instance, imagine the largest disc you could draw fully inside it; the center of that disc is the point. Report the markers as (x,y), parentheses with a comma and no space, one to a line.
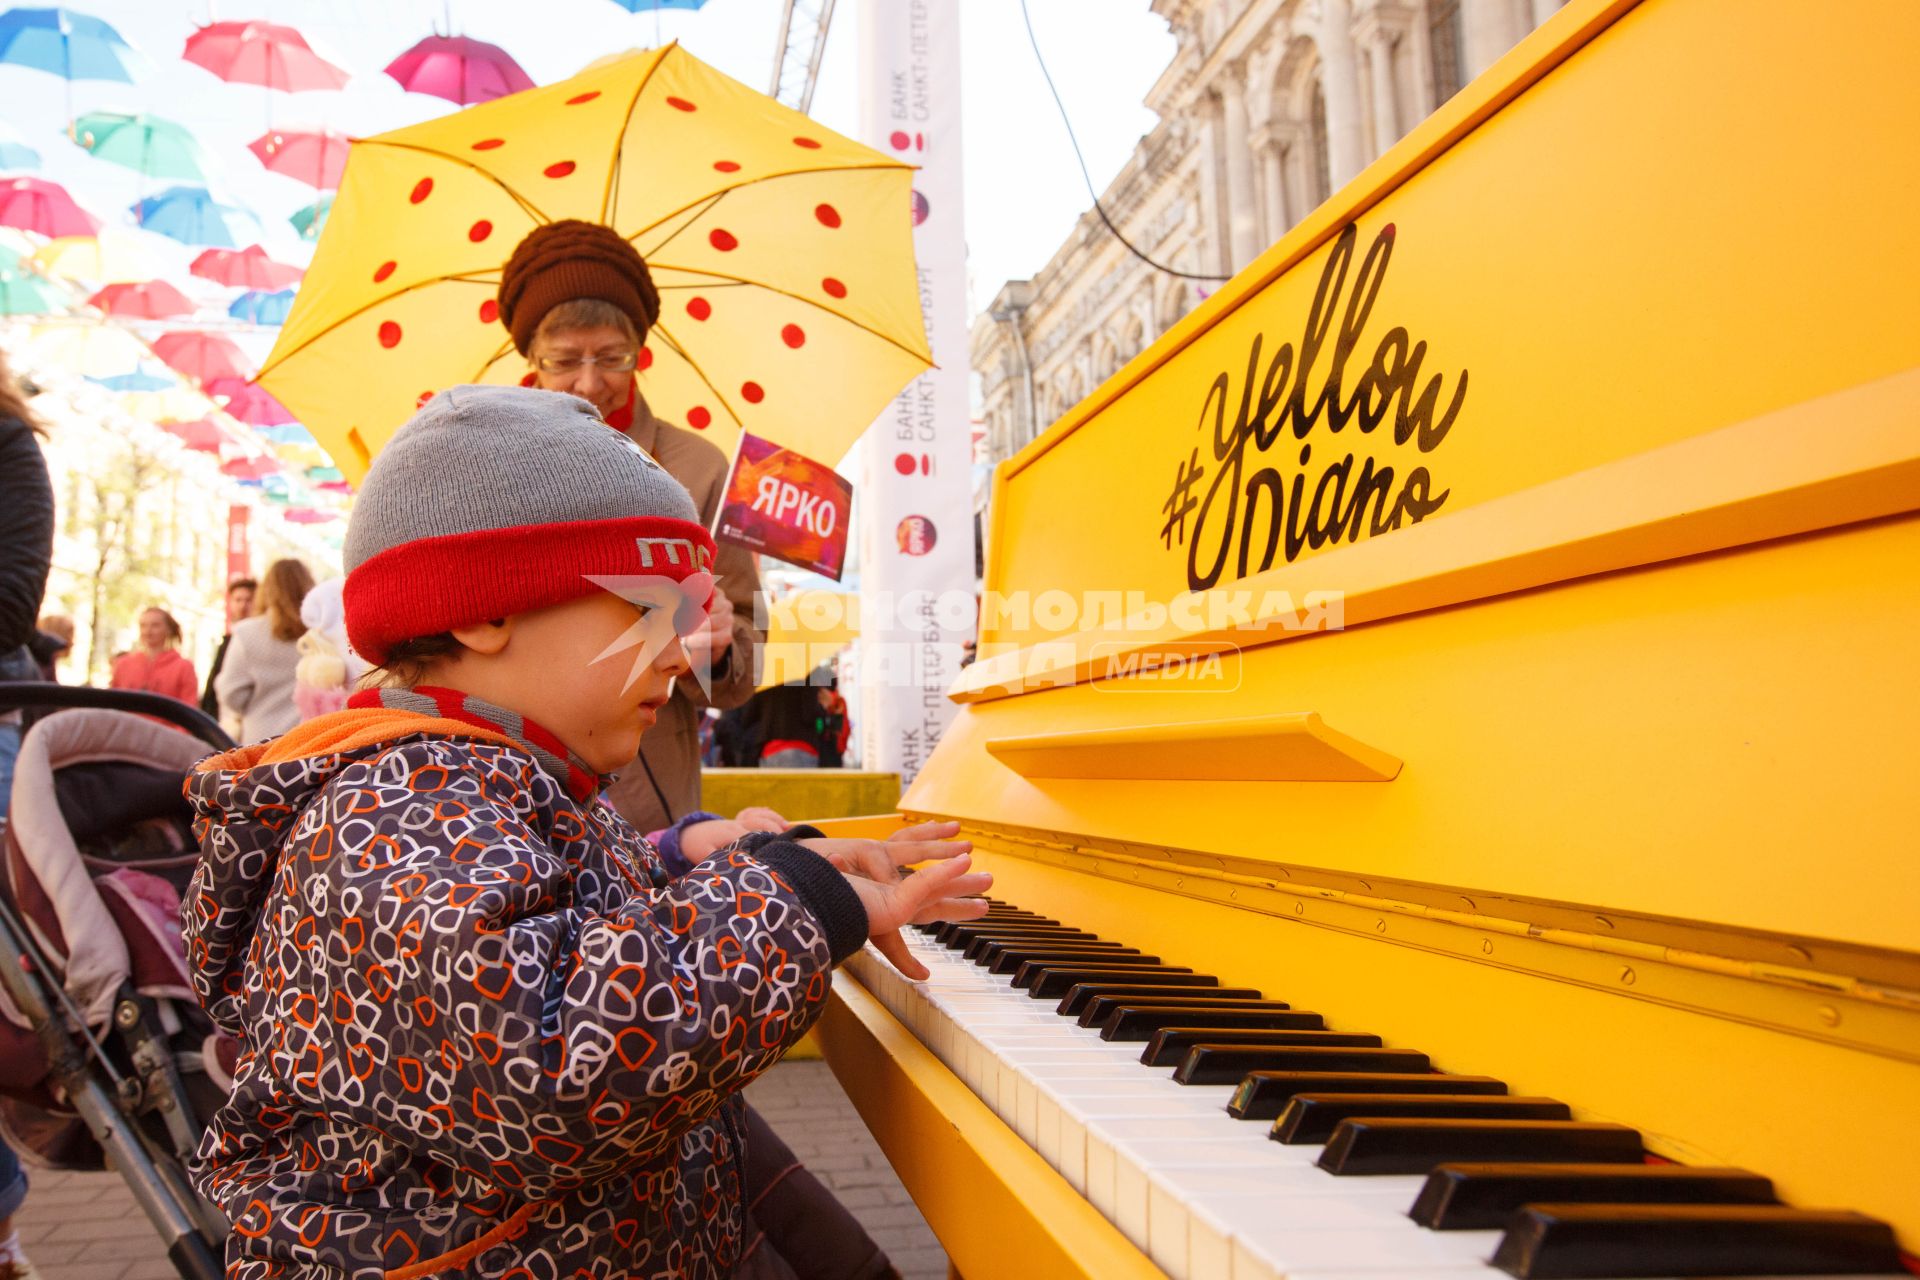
(926,831)
(894,948)
(907,853)
(961,905)
(939,882)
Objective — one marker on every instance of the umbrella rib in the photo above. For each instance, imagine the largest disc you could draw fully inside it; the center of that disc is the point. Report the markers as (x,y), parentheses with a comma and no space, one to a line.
(699,373)
(633,104)
(754,182)
(800,298)
(493,359)
(357,312)
(526,204)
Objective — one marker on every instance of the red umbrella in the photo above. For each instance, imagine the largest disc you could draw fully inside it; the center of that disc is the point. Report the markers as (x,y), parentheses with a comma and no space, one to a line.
(261,53)
(34,204)
(249,402)
(250,468)
(315,157)
(459,70)
(154,300)
(201,356)
(249,268)
(334,486)
(201,434)
(308,515)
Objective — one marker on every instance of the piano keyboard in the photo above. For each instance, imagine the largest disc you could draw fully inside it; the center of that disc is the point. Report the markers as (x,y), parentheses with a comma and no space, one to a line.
(1229,1135)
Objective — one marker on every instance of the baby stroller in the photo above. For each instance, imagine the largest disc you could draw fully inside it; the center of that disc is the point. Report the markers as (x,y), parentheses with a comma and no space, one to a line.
(106,1059)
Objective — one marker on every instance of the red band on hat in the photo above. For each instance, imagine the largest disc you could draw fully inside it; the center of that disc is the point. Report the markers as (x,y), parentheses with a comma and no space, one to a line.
(431,585)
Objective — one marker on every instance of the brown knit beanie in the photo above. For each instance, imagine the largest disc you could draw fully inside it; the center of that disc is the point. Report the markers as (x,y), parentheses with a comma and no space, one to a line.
(572,259)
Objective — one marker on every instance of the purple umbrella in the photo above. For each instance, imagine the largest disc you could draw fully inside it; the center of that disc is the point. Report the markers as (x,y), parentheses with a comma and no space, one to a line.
(459,70)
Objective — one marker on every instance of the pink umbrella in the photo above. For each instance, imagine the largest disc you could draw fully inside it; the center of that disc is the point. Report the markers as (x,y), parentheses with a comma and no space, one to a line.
(459,70)
(201,434)
(315,157)
(335,486)
(154,300)
(249,268)
(261,53)
(249,402)
(250,468)
(201,356)
(34,204)
(309,515)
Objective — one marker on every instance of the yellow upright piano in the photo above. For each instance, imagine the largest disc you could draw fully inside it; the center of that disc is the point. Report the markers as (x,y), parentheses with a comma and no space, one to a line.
(1482,643)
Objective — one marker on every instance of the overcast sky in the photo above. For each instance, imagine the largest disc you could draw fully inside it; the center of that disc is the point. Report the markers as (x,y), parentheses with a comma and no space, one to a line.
(1023,189)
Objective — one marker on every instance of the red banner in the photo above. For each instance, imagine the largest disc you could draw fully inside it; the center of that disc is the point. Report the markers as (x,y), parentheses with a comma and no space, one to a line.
(786,505)
(239,548)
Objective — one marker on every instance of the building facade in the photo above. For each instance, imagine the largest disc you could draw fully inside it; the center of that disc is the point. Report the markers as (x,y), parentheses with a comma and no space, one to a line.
(1267,108)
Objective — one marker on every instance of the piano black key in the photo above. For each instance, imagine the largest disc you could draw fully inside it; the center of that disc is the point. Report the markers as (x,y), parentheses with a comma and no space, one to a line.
(1312,1117)
(1052,983)
(1077,998)
(1100,1008)
(1478,1197)
(1229,1063)
(1169,1045)
(959,939)
(1416,1146)
(1568,1241)
(1265,1094)
(1139,1022)
(980,947)
(1028,974)
(1086,959)
(1008,961)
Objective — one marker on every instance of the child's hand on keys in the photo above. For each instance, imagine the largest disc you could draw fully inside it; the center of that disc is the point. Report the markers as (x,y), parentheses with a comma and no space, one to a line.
(944,890)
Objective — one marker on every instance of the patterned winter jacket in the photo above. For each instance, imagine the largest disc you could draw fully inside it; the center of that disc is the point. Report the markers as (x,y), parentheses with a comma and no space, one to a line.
(484,1034)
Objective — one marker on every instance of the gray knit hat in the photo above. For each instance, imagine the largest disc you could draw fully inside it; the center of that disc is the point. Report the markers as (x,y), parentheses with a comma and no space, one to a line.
(497,500)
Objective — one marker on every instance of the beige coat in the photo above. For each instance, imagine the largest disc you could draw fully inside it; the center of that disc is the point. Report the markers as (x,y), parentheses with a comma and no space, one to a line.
(671,749)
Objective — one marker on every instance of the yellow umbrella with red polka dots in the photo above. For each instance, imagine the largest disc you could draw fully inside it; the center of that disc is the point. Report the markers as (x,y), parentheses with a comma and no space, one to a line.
(783,253)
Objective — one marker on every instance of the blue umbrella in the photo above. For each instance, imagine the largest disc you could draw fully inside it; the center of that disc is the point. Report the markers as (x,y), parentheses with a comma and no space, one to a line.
(15,154)
(192,216)
(637,6)
(287,432)
(70,45)
(138,380)
(258,307)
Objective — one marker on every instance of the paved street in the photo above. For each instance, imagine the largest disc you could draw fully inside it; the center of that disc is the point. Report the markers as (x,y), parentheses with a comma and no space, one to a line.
(87,1227)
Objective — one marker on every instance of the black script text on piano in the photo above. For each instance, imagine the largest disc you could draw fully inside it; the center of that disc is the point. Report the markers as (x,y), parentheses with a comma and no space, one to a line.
(1341,498)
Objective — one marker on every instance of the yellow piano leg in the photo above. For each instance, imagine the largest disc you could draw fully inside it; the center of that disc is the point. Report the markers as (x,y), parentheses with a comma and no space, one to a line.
(997,1207)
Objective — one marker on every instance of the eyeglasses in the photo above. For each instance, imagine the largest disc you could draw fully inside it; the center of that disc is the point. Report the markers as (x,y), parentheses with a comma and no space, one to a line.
(620,362)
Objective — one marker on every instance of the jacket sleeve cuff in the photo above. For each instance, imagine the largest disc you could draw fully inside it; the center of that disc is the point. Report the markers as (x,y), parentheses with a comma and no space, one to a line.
(823,891)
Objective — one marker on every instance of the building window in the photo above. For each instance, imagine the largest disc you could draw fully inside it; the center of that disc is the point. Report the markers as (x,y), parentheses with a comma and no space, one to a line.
(1321,174)
(1448,46)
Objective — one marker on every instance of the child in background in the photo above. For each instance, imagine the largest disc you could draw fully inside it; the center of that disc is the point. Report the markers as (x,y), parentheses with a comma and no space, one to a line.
(329,668)
(485,1030)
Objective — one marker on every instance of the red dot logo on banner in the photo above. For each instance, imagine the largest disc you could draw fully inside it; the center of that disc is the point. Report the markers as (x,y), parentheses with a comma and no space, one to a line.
(915,536)
(906,464)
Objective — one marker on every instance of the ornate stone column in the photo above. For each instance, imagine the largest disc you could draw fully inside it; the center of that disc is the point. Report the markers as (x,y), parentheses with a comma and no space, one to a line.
(1243,228)
(1271,146)
(1544,9)
(1340,83)
(1487,30)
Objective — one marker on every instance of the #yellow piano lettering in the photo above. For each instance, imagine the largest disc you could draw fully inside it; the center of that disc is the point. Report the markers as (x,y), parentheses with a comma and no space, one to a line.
(1344,503)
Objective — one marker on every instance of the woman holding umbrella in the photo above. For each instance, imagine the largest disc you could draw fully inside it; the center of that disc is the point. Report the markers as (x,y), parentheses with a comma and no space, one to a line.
(578,301)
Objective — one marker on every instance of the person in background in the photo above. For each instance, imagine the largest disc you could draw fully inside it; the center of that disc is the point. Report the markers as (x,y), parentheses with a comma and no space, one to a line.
(577,300)
(26,553)
(329,669)
(785,723)
(51,645)
(157,665)
(832,734)
(240,594)
(255,687)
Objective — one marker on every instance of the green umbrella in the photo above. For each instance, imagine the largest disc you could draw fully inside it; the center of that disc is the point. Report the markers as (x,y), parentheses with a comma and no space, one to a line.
(149,146)
(24,294)
(310,219)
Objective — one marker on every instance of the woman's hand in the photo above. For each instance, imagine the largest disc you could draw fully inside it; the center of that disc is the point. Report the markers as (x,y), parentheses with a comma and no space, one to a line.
(946,890)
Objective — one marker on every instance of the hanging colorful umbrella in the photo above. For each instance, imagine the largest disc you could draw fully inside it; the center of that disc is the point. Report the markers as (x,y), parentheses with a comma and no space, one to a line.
(314,156)
(146,144)
(34,204)
(91,350)
(192,216)
(201,356)
(249,267)
(257,468)
(112,257)
(14,152)
(262,53)
(25,294)
(249,402)
(289,433)
(70,45)
(256,307)
(309,515)
(334,486)
(324,475)
(201,434)
(138,380)
(783,254)
(310,220)
(153,300)
(459,70)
